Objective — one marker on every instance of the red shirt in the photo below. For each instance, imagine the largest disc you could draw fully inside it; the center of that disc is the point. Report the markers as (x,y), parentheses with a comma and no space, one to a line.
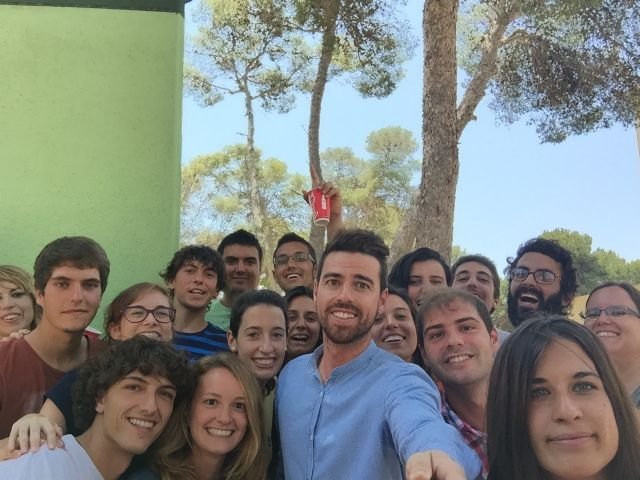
(25,378)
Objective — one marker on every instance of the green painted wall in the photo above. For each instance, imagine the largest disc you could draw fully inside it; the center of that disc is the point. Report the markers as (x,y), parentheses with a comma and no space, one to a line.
(90,115)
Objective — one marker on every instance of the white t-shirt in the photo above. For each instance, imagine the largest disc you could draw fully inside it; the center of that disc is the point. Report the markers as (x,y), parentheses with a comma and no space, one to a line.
(68,463)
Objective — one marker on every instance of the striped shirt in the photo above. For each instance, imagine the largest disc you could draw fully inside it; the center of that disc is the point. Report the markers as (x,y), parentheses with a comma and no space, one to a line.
(206,342)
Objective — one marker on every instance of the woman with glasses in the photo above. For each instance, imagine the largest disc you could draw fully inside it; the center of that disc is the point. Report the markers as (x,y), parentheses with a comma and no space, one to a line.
(142,309)
(556,409)
(613,313)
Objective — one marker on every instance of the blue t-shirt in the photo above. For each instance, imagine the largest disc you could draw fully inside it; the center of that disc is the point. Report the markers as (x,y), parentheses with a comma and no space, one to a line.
(208,341)
(371,415)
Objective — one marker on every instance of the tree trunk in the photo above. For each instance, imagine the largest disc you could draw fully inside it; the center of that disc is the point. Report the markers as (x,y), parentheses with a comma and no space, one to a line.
(331,9)
(257,204)
(436,197)
(406,236)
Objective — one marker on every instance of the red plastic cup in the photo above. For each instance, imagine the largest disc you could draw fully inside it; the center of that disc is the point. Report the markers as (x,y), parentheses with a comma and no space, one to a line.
(320,206)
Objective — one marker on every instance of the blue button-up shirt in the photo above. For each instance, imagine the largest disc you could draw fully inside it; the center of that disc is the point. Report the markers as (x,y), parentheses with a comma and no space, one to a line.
(373,413)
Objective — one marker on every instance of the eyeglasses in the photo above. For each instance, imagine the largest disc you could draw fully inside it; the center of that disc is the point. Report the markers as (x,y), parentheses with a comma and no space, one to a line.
(541,276)
(136,314)
(298,257)
(613,311)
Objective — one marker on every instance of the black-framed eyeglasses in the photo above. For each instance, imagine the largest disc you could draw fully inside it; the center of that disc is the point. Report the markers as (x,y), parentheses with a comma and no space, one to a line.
(137,313)
(541,276)
(613,311)
(298,257)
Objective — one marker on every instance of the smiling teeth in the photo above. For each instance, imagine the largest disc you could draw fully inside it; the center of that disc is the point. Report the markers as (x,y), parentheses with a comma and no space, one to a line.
(458,358)
(607,334)
(217,432)
(299,338)
(393,338)
(10,317)
(263,362)
(293,276)
(344,315)
(141,423)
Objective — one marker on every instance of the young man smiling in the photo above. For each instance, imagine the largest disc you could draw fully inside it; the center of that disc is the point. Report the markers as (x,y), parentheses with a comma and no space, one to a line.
(458,341)
(70,276)
(351,393)
(122,400)
(194,276)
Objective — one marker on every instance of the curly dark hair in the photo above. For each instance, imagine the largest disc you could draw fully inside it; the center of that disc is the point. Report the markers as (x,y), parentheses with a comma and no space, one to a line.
(148,356)
(203,254)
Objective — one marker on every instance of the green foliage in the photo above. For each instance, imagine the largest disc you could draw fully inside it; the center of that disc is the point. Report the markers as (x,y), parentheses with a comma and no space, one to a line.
(597,266)
(215,195)
(569,67)
(377,191)
(246,46)
(372,41)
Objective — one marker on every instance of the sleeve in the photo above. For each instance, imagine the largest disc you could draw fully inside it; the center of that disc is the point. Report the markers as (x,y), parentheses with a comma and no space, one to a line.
(413,414)
(60,394)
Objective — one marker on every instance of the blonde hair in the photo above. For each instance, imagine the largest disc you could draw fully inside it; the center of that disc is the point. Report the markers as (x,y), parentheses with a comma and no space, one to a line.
(171,457)
(20,278)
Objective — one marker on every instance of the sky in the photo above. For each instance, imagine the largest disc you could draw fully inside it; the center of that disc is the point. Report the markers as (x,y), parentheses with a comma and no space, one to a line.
(511,187)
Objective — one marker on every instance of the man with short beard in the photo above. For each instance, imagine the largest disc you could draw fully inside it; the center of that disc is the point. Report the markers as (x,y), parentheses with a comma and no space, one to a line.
(351,394)
(542,278)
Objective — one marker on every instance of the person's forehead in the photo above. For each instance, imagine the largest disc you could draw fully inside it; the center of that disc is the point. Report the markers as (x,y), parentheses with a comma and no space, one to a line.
(156,380)
(240,251)
(537,260)
(472,267)
(301,302)
(351,264)
(75,273)
(292,247)
(451,313)
(193,263)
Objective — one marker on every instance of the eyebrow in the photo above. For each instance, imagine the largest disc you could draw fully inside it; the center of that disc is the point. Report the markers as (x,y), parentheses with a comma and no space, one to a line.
(457,322)
(577,375)
(137,378)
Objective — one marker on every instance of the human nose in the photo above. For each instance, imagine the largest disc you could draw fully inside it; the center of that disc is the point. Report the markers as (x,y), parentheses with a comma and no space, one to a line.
(224,414)
(565,408)
(454,338)
(390,320)
(150,402)
(150,318)
(76,292)
(265,345)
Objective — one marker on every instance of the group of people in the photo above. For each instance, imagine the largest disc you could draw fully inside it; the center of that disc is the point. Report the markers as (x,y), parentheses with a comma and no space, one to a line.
(398,374)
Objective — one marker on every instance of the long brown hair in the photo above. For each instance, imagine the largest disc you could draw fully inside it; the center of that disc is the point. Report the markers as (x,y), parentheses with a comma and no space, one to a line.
(511,454)
(246,462)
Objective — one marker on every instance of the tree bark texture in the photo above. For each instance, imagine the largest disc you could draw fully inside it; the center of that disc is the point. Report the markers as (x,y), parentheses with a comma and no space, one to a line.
(257,204)
(406,235)
(436,197)
(331,9)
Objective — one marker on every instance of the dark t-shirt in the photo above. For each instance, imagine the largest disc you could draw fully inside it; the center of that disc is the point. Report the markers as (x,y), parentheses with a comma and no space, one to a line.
(210,340)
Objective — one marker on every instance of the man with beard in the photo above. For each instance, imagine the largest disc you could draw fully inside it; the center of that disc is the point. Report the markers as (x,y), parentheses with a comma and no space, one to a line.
(458,341)
(542,278)
(242,256)
(194,277)
(351,394)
